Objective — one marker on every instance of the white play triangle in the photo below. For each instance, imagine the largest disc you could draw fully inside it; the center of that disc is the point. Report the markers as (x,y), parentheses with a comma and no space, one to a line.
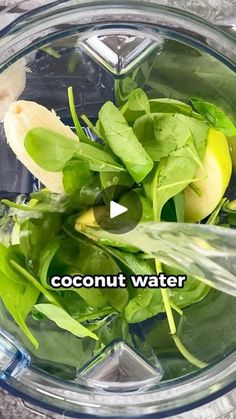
(116,209)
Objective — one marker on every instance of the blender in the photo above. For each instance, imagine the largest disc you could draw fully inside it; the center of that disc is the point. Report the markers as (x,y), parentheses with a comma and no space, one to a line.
(104,51)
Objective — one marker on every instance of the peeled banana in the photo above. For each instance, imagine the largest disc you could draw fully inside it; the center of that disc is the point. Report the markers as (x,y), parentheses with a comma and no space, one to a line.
(23,116)
(12,84)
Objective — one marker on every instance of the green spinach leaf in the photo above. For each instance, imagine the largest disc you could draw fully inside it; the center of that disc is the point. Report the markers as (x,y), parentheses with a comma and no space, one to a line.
(64,320)
(199,131)
(147,303)
(172,175)
(76,174)
(136,106)
(215,116)
(17,294)
(77,307)
(160,135)
(168,105)
(131,263)
(61,149)
(35,233)
(192,292)
(123,142)
(116,178)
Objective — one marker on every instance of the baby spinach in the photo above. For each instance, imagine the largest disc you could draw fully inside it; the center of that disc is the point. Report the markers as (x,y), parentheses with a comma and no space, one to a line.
(115,243)
(147,303)
(34,281)
(215,116)
(93,297)
(147,213)
(84,257)
(131,263)
(136,106)
(152,147)
(64,320)
(116,297)
(160,135)
(61,149)
(35,233)
(116,178)
(192,292)
(85,196)
(79,309)
(199,132)
(17,294)
(214,217)
(76,174)
(168,105)
(98,160)
(123,142)
(172,175)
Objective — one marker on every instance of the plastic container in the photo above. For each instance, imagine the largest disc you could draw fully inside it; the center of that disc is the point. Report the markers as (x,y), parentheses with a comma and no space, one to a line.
(104,50)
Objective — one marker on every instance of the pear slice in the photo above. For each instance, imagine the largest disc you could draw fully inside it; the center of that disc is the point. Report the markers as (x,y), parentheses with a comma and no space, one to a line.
(211,187)
(23,116)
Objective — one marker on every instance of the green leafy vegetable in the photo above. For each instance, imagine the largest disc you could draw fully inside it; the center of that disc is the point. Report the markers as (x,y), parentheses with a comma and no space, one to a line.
(131,263)
(151,147)
(61,149)
(168,105)
(160,135)
(33,232)
(64,320)
(136,106)
(116,178)
(173,175)
(33,281)
(123,142)
(45,259)
(199,132)
(76,174)
(215,116)
(193,291)
(17,294)
(147,303)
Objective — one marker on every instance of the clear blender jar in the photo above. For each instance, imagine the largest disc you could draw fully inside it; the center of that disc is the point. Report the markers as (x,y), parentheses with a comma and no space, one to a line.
(105,50)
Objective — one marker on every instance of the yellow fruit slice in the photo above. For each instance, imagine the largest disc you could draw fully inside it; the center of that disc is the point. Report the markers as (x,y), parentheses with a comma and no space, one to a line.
(212,186)
(21,117)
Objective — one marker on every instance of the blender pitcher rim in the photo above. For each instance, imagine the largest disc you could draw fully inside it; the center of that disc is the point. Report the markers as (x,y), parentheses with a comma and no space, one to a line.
(151,4)
(148,406)
(90,5)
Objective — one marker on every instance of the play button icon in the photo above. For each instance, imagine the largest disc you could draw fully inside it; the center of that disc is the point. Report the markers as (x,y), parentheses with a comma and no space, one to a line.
(118,209)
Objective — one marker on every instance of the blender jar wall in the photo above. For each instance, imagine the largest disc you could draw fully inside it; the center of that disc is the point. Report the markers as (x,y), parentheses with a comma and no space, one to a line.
(183,56)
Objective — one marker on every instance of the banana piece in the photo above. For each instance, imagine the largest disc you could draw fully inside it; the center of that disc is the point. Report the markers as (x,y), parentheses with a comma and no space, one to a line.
(23,116)
(12,84)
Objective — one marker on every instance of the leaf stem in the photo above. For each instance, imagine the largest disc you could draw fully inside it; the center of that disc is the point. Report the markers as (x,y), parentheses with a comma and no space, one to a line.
(187,355)
(172,327)
(90,125)
(78,128)
(176,308)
